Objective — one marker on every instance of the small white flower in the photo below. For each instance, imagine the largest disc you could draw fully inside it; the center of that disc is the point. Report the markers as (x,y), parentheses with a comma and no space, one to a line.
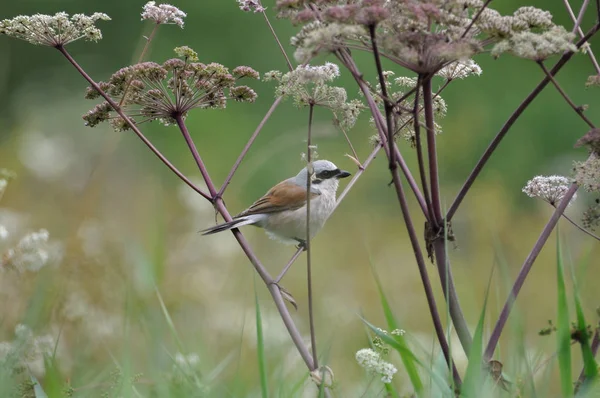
(372,362)
(31,252)
(548,188)
(251,5)
(460,70)
(163,14)
(3,184)
(3,232)
(398,332)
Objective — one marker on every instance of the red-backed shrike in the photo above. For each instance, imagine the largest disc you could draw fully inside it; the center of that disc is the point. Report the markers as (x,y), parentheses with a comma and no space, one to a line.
(282,210)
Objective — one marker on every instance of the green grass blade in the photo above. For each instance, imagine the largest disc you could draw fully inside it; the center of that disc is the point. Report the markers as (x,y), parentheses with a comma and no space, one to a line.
(408,359)
(260,348)
(563,328)
(590,367)
(474,377)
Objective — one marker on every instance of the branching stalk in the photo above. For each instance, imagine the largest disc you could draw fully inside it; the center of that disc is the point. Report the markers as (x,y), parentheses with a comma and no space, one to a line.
(535,251)
(511,120)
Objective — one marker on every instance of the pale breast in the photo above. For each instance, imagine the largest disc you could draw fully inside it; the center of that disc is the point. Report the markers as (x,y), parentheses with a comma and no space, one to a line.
(290,225)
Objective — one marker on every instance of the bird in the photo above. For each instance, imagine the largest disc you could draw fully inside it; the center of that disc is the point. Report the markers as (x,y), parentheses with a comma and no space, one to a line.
(282,210)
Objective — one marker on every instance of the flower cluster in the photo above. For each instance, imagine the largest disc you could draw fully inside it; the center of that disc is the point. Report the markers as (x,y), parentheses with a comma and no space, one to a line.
(251,5)
(537,46)
(26,351)
(30,254)
(308,85)
(372,362)
(53,30)
(590,139)
(459,70)
(163,14)
(163,92)
(593,80)
(421,36)
(548,188)
(587,174)
(591,217)
(403,121)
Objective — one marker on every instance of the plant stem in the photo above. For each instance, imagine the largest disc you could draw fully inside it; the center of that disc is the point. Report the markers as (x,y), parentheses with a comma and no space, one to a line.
(584,7)
(419,149)
(131,123)
(414,241)
(381,129)
(393,166)
(594,347)
(248,145)
(535,251)
(289,264)
(432,153)
(585,231)
(287,60)
(576,108)
(580,33)
(475,19)
(260,269)
(140,59)
(511,120)
(309,175)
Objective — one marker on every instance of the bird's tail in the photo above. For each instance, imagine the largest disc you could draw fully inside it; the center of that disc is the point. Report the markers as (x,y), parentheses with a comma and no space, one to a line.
(238,222)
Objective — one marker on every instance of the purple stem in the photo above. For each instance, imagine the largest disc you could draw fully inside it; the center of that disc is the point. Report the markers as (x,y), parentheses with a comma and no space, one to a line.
(131,123)
(260,269)
(432,153)
(535,251)
(511,120)
(419,149)
(248,145)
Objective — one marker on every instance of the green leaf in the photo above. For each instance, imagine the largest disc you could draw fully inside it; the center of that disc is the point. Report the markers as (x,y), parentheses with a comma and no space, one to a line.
(474,378)
(590,367)
(563,328)
(260,348)
(400,345)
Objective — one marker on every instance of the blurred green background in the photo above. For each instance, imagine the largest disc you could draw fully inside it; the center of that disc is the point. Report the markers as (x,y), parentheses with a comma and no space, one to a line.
(121,220)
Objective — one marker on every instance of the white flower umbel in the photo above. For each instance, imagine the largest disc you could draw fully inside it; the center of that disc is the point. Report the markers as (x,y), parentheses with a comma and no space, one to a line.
(53,30)
(251,5)
(372,362)
(460,70)
(31,252)
(163,14)
(548,188)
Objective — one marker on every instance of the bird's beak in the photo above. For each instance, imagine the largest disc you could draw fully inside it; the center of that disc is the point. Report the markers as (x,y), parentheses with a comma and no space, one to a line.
(343,174)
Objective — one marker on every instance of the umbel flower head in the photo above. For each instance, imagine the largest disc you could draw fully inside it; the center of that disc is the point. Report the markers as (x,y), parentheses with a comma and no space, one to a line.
(422,36)
(163,14)
(551,189)
(164,92)
(53,30)
(308,85)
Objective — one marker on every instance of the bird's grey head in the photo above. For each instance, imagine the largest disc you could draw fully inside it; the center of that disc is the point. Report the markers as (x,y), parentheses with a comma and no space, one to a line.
(325,176)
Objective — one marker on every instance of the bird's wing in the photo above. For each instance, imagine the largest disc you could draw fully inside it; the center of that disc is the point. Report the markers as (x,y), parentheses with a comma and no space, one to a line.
(283,196)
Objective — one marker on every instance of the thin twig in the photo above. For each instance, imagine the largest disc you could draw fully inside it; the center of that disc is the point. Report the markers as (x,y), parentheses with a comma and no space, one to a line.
(580,33)
(140,59)
(287,60)
(511,120)
(309,175)
(248,145)
(475,19)
(579,227)
(131,123)
(289,264)
(584,7)
(576,108)
(527,265)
